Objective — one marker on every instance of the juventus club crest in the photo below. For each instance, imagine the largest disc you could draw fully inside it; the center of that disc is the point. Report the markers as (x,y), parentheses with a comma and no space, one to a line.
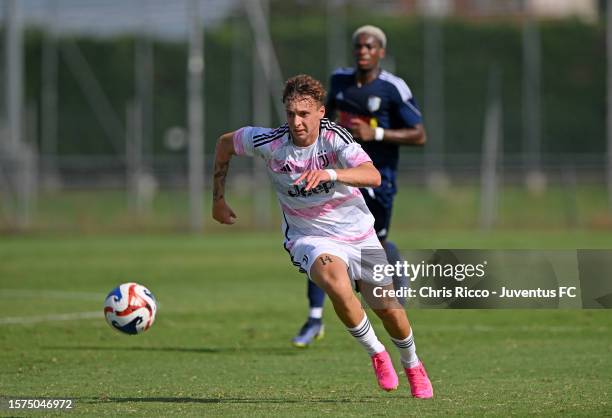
(323,159)
(373,103)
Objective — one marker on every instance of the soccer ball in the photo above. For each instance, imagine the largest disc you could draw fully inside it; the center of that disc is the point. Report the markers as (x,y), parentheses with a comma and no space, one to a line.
(130,308)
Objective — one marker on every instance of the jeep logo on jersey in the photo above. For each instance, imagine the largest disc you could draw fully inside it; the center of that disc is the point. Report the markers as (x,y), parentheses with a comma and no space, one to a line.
(373,103)
(301,191)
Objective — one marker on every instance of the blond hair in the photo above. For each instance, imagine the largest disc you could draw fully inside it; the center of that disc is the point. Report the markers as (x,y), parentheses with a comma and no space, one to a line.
(373,31)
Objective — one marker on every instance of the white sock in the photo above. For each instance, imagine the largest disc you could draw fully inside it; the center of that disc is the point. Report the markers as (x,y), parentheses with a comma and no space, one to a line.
(364,333)
(316,313)
(407,350)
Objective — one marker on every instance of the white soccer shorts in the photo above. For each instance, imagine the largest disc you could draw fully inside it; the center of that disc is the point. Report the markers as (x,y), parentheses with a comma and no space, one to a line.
(366,253)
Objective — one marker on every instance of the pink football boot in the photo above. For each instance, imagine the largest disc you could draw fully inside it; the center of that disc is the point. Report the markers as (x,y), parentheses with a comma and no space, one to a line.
(385,373)
(420,386)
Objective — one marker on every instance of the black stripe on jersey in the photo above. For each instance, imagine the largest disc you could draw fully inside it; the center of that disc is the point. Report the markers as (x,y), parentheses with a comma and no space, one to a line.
(286,228)
(265,141)
(269,140)
(268,137)
(273,132)
(295,263)
(342,132)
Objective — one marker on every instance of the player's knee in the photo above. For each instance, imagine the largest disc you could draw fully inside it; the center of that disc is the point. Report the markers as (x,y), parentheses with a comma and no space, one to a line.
(329,273)
(332,282)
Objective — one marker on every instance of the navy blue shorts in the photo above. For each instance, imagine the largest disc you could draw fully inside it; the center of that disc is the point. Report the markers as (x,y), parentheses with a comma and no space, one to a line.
(380,203)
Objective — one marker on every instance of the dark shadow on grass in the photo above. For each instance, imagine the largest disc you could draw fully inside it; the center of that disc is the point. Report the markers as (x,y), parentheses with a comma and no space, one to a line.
(245,400)
(198,350)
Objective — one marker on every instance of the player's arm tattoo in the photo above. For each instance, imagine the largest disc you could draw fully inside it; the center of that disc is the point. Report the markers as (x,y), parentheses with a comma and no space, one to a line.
(219,180)
(325,259)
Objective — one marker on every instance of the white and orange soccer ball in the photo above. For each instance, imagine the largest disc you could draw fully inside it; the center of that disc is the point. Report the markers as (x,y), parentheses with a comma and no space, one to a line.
(130,308)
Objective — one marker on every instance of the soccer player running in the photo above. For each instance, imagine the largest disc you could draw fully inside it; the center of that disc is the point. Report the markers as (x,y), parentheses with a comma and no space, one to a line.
(315,167)
(377,107)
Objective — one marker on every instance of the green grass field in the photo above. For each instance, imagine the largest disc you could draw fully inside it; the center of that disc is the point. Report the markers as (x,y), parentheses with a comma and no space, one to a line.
(228,306)
(105,211)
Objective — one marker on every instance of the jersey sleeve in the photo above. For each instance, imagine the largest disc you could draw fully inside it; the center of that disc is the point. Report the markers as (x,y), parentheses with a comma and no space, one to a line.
(349,153)
(243,141)
(407,108)
(255,141)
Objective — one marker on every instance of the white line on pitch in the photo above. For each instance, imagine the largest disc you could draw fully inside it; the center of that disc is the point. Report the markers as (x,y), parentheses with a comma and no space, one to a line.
(50,318)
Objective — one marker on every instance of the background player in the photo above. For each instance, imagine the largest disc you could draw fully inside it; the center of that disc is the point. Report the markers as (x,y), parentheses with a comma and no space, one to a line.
(379,110)
(315,166)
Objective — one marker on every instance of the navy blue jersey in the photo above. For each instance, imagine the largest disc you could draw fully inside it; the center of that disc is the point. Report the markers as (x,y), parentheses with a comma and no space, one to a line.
(386,102)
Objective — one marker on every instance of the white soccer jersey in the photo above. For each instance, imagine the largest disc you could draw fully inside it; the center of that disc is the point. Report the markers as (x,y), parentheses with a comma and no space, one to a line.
(331,209)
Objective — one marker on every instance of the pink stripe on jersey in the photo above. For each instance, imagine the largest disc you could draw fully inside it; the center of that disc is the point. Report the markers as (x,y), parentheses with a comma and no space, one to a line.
(238,144)
(354,239)
(319,210)
(290,244)
(274,145)
(299,166)
(358,159)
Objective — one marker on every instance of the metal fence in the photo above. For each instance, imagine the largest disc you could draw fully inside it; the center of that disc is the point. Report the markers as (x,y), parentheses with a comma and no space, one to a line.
(31,165)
